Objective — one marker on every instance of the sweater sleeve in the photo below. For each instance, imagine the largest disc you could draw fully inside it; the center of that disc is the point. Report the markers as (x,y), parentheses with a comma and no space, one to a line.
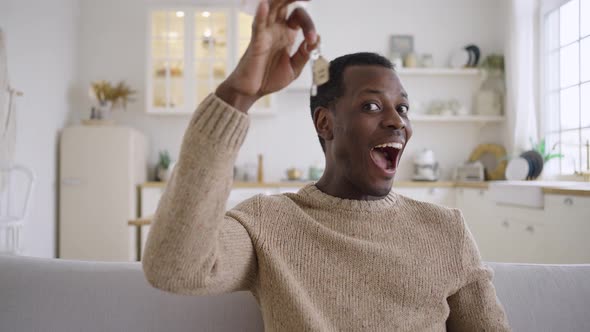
(474,307)
(193,246)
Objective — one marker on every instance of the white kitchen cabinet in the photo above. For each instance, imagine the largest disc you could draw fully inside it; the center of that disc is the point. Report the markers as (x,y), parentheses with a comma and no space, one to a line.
(506,233)
(437,195)
(517,240)
(477,210)
(557,233)
(191,50)
(569,216)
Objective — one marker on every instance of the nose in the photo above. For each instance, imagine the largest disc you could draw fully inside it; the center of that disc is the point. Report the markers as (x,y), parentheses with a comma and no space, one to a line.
(392,119)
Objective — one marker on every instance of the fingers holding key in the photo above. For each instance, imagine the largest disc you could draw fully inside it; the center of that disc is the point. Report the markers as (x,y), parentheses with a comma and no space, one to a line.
(301,57)
(299,18)
(278,9)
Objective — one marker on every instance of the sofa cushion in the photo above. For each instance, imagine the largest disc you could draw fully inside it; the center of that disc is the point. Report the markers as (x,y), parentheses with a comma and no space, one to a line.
(54,295)
(544,297)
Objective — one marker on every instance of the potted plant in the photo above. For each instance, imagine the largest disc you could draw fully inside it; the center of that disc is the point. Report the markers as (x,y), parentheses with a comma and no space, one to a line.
(108,97)
(541,148)
(165,165)
(489,100)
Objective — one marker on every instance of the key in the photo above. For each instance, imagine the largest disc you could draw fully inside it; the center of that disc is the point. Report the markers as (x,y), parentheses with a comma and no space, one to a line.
(320,69)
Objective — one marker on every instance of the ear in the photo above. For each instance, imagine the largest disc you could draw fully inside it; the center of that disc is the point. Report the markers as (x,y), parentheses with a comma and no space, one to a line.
(323,119)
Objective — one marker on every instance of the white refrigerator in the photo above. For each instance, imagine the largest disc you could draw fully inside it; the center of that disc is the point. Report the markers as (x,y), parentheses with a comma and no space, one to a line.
(100,170)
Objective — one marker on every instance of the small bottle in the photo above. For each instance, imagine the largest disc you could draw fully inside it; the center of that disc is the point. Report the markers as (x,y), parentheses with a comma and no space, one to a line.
(260,169)
(411,60)
(427,61)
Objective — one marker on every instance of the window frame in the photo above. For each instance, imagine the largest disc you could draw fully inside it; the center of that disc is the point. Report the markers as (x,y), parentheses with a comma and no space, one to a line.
(548,7)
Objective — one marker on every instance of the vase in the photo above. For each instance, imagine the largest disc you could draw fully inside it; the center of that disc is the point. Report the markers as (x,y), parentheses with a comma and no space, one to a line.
(489,100)
(103,111)
(165,173)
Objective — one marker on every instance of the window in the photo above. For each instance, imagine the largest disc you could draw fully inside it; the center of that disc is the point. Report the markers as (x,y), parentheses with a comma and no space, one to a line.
(191,51)
(566,87)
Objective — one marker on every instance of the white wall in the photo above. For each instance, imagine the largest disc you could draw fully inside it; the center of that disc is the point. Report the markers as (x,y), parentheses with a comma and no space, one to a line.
(113,47)
(41,50)
(56,48)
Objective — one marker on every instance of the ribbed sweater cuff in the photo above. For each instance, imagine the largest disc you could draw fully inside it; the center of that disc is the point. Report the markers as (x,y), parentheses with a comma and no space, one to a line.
(219,124)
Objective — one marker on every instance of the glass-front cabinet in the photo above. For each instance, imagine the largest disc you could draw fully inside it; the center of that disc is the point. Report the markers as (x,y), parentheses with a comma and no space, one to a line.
(191,51)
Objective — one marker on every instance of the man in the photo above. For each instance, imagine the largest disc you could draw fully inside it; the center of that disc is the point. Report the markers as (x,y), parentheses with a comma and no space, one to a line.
(344,254)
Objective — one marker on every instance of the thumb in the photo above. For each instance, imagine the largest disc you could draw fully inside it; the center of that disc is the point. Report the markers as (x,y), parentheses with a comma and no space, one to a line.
(301,57)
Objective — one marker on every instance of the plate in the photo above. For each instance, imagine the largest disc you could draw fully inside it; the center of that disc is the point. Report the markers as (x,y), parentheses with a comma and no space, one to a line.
(493,158)
(536,161)
(518,169)
(475,54)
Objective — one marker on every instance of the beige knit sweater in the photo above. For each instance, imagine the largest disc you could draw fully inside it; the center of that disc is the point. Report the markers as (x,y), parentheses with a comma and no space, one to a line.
(314,262)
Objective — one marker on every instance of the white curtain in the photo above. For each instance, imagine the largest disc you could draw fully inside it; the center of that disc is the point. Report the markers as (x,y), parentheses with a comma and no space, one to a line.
(522,75)
(7,111)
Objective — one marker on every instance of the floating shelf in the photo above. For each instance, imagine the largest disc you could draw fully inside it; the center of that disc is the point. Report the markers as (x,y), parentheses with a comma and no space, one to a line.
(457,118)
(439,72)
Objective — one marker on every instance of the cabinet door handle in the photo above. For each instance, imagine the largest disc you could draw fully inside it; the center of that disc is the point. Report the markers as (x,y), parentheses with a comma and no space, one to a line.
(568,201)
(505,223)
(530,229)
(432,191)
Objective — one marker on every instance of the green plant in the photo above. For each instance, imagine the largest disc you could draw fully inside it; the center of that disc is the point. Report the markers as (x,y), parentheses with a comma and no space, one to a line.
(164,160)
(541,148)
(493,62)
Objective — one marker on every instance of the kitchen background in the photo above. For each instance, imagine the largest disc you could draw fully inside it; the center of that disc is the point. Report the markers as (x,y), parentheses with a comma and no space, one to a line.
(57,48)
(117,50)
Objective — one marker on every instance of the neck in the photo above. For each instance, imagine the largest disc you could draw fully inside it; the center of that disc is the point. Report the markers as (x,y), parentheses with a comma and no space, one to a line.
(338,185)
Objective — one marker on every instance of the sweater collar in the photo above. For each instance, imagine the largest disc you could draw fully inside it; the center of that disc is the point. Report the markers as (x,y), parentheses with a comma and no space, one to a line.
(316,195)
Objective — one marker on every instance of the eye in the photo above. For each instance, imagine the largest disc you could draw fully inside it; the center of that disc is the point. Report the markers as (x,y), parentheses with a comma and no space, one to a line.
(403,109)
(371,107)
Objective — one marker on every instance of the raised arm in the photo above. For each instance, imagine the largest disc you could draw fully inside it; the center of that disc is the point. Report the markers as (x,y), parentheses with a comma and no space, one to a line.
(194,247)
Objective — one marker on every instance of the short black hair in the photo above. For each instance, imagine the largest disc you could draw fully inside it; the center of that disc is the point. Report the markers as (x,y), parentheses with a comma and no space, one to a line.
(330,91)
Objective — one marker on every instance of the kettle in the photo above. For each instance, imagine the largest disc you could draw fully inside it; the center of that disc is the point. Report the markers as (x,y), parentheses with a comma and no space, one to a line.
(425,166)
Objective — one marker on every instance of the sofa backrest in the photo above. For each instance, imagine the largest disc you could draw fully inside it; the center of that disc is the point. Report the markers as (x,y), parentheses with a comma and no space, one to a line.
(53,295)
(544,297)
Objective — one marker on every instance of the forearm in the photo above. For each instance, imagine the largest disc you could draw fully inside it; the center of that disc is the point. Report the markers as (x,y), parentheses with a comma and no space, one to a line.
(182,244)
(228,92)
(474,306)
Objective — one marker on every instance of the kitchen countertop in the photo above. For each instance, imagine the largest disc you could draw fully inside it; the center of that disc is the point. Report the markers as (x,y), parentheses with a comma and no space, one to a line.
(557,188)
(576,191)
(291,184)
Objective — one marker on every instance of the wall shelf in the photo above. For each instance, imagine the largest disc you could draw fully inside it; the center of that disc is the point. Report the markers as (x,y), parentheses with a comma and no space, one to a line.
(439,72)
(457,118)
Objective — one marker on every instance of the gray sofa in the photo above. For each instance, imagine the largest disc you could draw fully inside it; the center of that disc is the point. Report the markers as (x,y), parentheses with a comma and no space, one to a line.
(53,295)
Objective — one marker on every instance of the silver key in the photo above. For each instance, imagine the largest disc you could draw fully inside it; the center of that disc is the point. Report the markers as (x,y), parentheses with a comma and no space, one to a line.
(320,69)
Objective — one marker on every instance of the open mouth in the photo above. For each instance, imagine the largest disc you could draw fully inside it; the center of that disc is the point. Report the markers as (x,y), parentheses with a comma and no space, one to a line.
(386,156)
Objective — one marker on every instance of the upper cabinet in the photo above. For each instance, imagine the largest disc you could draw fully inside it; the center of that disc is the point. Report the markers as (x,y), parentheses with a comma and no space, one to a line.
(191,51)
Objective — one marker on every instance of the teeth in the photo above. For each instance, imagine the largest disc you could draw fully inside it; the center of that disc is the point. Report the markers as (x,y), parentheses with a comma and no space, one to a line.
(398,146)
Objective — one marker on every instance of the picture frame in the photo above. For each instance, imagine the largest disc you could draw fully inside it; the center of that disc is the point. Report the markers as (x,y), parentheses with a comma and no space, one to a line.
(401,45)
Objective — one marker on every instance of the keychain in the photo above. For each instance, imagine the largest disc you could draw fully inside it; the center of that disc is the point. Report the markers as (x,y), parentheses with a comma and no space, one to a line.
(320,68)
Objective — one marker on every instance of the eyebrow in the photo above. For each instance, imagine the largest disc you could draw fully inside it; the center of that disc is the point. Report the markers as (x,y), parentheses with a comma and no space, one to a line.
(374,91)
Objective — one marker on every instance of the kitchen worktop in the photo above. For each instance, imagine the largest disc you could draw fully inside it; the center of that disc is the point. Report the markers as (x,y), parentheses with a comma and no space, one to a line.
(291,184)
(548,187)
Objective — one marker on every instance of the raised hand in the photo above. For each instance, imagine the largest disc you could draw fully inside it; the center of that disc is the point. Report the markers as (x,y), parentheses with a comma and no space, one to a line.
(267,66)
